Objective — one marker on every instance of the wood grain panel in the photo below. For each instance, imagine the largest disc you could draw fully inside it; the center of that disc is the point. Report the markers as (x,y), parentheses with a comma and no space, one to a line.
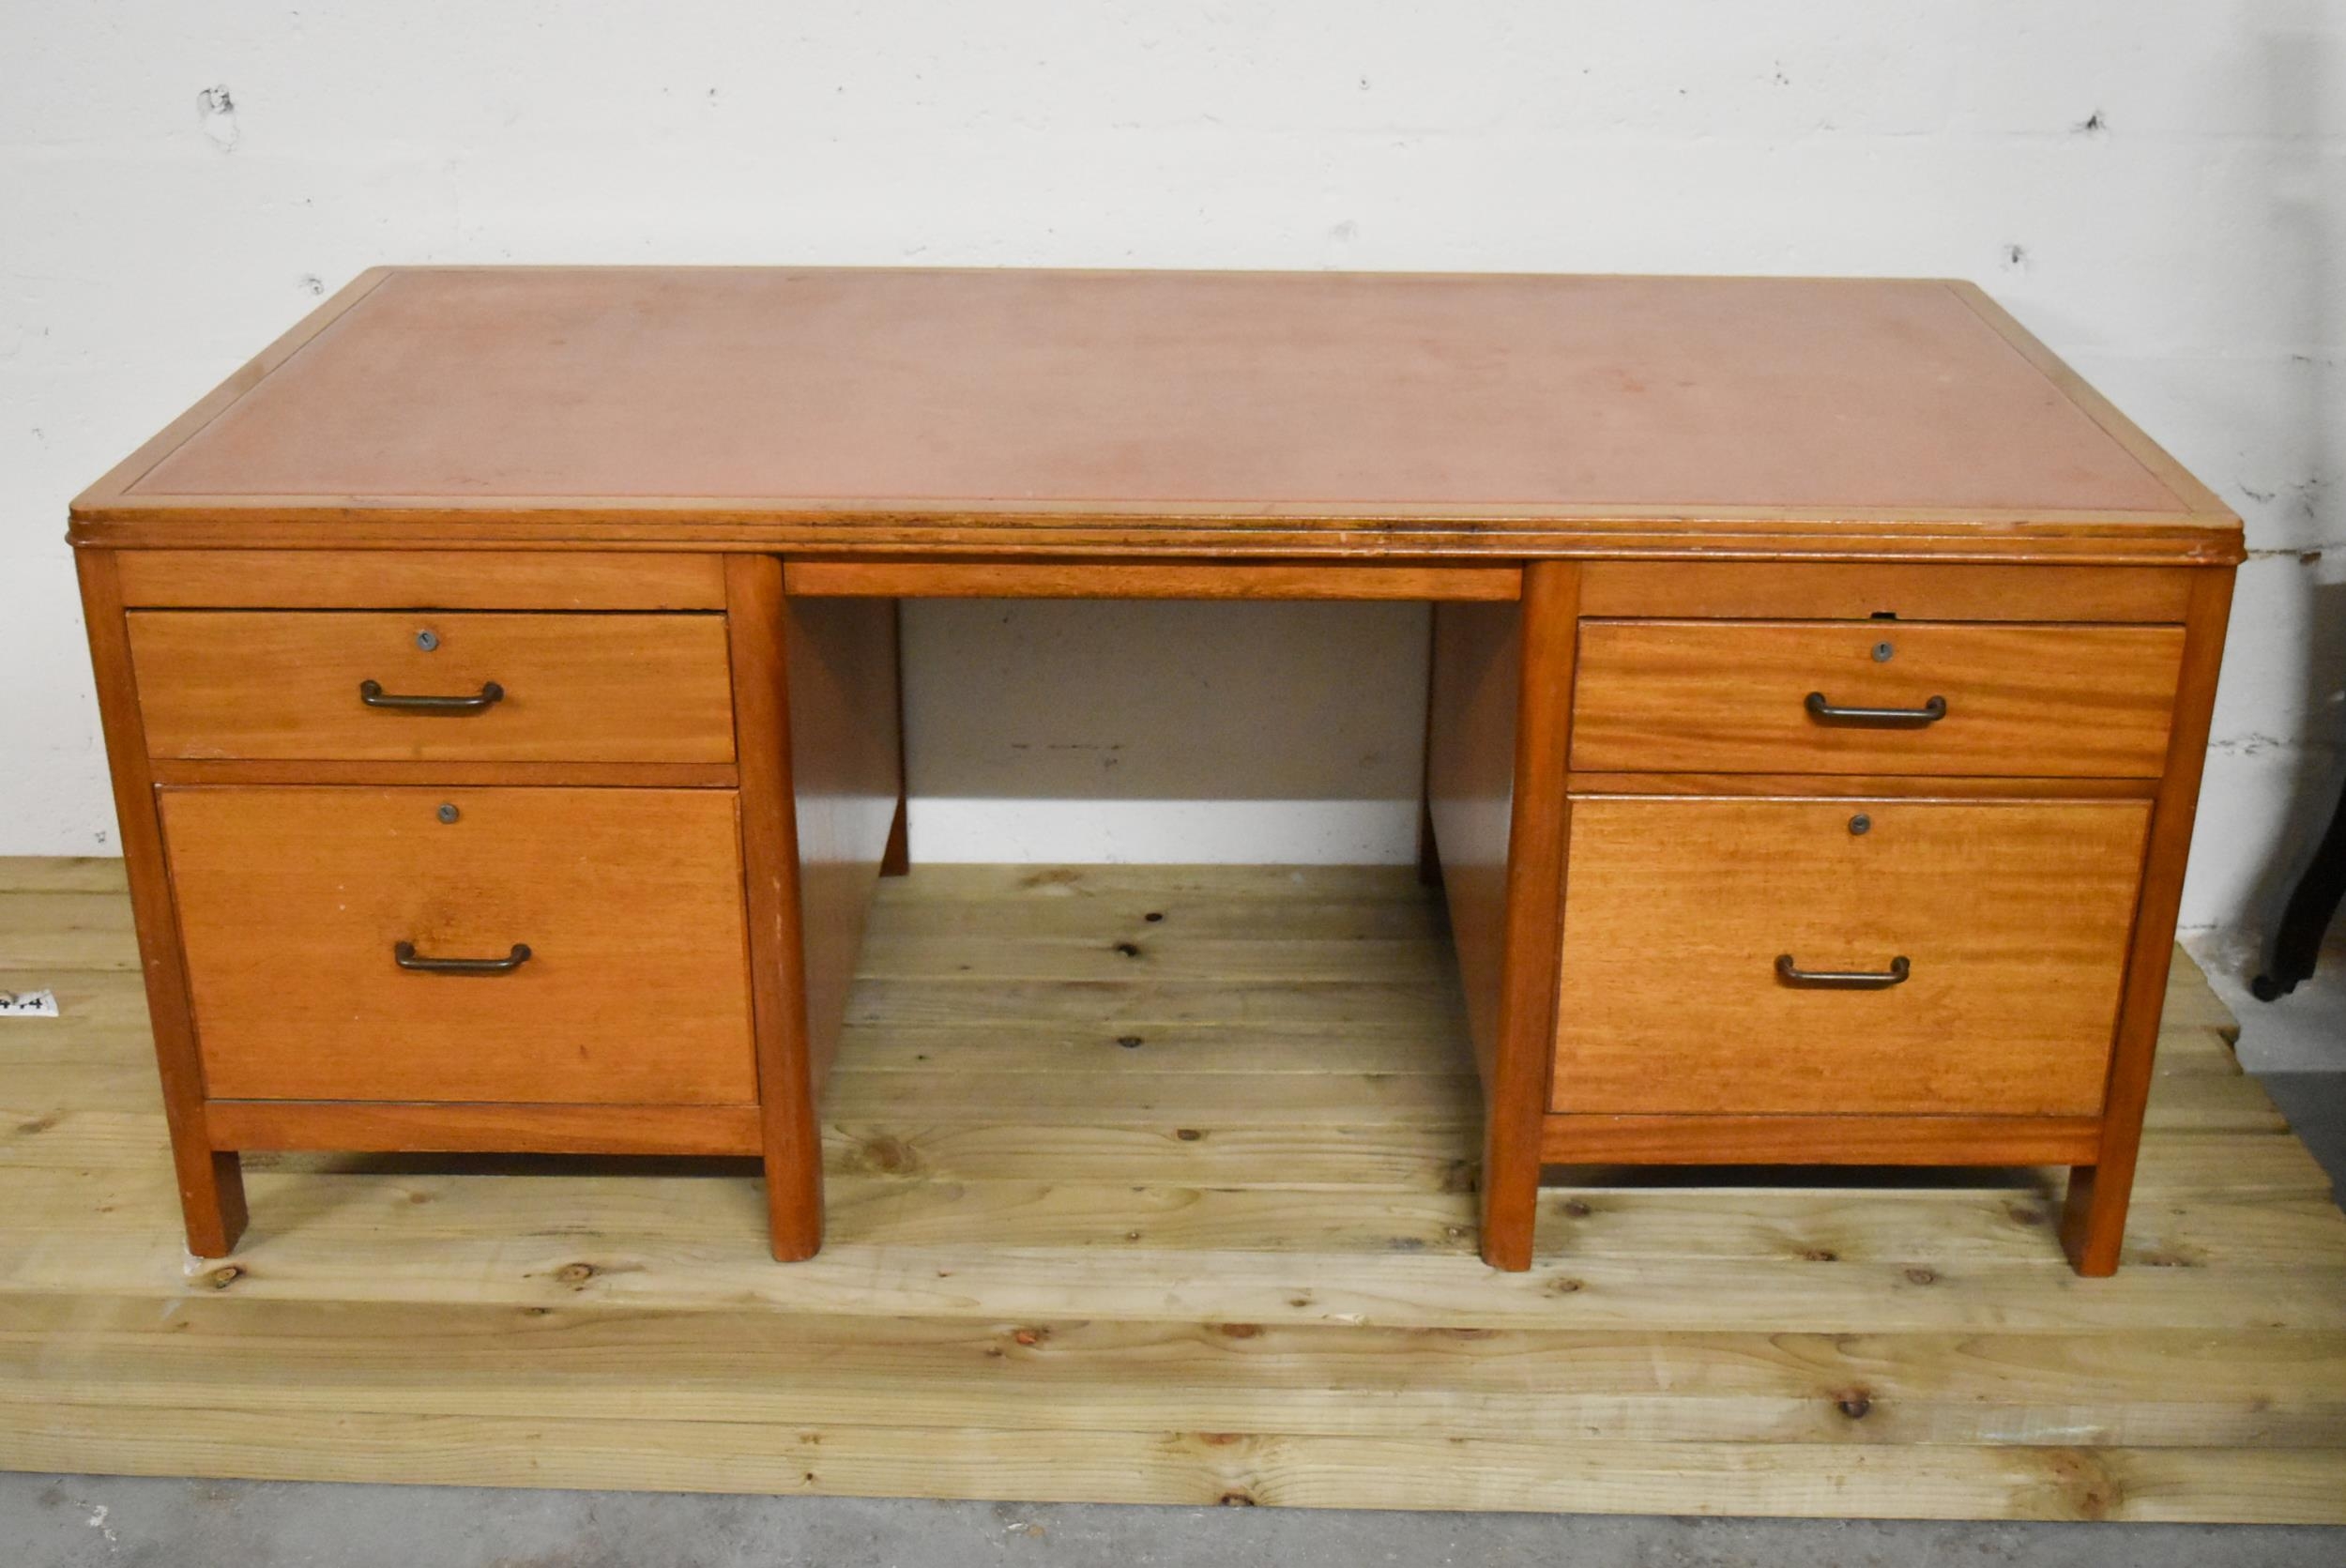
(421,580)
(1819,1140)
(1818,590)
(2014,918)
(410,771)
(927,579)
(1971,786)
(1679,696)
(845,773)
(1470,792)
(484,1128)
(291,901)
(286,685)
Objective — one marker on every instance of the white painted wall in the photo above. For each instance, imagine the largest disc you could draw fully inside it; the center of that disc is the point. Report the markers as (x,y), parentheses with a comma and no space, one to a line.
(2151,185)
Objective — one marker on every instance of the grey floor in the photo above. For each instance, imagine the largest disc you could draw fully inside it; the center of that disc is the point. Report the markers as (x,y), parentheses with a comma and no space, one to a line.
(53,1521)
(66,1521)
(2302,1032)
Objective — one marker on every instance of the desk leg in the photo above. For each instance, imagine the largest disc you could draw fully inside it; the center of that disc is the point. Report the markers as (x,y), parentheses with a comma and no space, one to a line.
(2094,1216)
(817,734)
(757,627)
(211,1181)
(896,860)
(1501,695)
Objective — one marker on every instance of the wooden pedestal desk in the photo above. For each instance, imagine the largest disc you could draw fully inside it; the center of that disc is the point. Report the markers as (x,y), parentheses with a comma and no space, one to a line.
(500,678)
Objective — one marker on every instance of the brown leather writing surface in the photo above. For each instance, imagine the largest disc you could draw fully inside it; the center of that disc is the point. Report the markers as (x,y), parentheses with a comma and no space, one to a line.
(1134,391)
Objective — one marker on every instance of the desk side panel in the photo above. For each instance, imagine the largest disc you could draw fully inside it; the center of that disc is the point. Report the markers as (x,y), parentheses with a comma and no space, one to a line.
(847,771)
(1469,793)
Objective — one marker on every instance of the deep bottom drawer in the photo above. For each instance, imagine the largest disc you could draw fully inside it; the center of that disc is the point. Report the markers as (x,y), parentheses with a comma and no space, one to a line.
(1761,957)
(294,902)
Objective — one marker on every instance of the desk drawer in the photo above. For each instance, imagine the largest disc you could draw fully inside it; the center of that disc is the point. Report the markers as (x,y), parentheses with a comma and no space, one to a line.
(634,989)
(534,688)
(2012,919)
(1690,697)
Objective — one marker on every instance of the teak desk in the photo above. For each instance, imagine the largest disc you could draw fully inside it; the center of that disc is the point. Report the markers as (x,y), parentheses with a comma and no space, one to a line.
(499,675)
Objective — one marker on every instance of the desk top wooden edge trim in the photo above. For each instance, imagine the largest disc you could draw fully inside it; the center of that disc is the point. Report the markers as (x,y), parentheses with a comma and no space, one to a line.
(2056,540)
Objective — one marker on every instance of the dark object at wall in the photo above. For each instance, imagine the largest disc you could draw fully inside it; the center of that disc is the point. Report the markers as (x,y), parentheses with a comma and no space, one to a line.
(2308,914)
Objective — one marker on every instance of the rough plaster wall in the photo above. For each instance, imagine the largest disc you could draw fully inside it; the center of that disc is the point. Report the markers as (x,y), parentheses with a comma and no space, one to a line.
(2151,185)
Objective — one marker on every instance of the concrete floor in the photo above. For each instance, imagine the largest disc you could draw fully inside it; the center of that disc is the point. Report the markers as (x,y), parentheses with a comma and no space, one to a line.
(57,1521)
(68,1521)
(2302,1032)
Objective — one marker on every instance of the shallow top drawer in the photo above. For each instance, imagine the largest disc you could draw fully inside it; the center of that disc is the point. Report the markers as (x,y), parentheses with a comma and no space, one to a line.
(1682,696)
(432,687)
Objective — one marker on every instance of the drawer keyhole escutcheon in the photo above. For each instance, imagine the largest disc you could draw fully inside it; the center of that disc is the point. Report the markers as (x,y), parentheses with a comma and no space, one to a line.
(1861,823)
(1881,651)
(447,812)
(427,639)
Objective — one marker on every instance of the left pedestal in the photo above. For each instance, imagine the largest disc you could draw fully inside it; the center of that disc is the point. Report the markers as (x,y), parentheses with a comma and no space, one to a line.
(492,852)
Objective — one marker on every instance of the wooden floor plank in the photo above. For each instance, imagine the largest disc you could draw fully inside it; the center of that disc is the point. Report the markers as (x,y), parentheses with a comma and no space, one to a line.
(102,1018)
(980,1051)
(1402,1289)
(1413,961)
(66,930)
(2159,1389)
(2291,1485)
(1418,1012)
(1154,887)
(2192,1003)
(1144,913)
(62,874)
(1115,1098)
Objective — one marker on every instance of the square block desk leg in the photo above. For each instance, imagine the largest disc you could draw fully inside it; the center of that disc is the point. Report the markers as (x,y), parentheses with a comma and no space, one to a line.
(2093,1215)
(211,1182)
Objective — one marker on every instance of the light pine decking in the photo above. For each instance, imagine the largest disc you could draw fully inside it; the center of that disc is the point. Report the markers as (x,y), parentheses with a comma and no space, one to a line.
(1234,1263)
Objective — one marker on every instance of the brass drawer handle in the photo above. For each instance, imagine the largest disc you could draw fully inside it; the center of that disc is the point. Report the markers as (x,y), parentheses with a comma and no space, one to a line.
(372,693)
(1842,979)
(1929,714)
(404,955)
